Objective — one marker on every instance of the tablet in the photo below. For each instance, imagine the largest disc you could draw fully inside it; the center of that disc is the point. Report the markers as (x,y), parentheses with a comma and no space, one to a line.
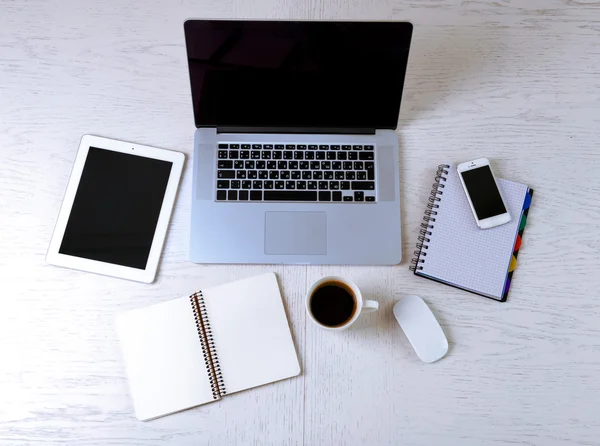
(116,209)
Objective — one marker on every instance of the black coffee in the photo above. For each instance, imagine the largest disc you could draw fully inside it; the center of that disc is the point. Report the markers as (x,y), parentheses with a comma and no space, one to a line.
(333,304)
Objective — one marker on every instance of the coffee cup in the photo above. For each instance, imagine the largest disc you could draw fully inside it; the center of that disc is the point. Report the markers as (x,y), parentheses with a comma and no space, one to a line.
(335,303)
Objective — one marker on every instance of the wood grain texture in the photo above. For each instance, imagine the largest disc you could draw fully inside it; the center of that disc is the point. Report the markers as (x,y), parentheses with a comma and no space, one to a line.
(516,81)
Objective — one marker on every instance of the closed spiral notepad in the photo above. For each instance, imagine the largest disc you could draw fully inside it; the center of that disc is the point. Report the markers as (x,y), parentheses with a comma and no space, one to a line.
(451,248)
(199,348)
(429,217)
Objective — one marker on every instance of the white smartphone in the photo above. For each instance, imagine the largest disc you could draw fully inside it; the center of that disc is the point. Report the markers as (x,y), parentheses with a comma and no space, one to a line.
(485,199)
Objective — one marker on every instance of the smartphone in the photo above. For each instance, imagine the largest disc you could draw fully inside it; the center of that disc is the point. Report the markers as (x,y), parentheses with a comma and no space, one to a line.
(485,199)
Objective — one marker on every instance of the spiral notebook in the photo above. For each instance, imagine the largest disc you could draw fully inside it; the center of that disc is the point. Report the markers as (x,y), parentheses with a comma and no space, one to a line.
(454,251)
(196,349)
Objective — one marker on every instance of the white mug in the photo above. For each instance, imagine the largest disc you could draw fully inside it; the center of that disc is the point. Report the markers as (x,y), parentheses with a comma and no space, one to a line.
(362,306)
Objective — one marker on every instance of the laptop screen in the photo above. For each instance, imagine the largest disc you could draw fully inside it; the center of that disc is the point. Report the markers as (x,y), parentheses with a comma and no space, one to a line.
(297,74)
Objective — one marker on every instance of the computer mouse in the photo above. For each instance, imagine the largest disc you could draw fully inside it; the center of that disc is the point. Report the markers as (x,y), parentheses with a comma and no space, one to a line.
(421,328)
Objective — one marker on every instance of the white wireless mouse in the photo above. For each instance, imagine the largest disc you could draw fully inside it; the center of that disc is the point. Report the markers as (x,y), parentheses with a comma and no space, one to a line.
(421,328)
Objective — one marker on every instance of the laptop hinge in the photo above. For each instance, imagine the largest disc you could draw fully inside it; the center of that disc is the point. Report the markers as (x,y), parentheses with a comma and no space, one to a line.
(299,130)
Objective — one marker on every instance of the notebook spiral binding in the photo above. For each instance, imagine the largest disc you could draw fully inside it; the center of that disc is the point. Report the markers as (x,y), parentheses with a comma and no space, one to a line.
(429,217)
(208,345)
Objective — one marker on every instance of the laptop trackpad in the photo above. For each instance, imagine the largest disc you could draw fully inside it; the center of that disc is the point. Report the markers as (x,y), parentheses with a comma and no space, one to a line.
(299,233)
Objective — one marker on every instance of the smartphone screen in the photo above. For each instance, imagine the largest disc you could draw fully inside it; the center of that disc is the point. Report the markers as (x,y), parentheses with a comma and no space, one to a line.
(484,194)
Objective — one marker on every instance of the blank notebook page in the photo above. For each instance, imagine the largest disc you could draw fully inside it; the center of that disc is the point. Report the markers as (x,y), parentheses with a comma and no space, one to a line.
(163,358)
(462,254)
(251,332)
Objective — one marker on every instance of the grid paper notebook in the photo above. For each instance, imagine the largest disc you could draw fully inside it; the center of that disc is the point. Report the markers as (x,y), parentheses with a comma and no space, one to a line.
(196,349)
(454,251)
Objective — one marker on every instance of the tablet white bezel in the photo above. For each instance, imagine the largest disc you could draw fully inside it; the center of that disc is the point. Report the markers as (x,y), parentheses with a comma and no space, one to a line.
(146,275)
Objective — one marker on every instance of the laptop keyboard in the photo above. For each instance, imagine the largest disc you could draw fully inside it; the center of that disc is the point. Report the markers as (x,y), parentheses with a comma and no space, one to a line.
(296,172)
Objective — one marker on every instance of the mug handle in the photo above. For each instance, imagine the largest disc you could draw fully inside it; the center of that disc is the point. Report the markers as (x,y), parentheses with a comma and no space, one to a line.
(369,306)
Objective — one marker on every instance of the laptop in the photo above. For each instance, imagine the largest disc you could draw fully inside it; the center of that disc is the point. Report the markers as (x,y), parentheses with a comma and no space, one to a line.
(295,151)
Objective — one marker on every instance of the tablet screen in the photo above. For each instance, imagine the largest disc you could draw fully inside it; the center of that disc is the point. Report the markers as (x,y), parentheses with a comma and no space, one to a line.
(116,208)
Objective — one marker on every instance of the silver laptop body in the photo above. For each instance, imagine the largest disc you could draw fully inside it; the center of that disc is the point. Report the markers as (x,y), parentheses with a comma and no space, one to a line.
(288,193)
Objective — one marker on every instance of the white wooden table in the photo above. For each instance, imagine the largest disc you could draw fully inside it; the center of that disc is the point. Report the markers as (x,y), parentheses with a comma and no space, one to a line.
(517,81)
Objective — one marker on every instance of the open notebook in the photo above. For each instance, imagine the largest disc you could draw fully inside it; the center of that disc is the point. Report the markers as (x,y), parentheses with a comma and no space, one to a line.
(195,349)
(453,250)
